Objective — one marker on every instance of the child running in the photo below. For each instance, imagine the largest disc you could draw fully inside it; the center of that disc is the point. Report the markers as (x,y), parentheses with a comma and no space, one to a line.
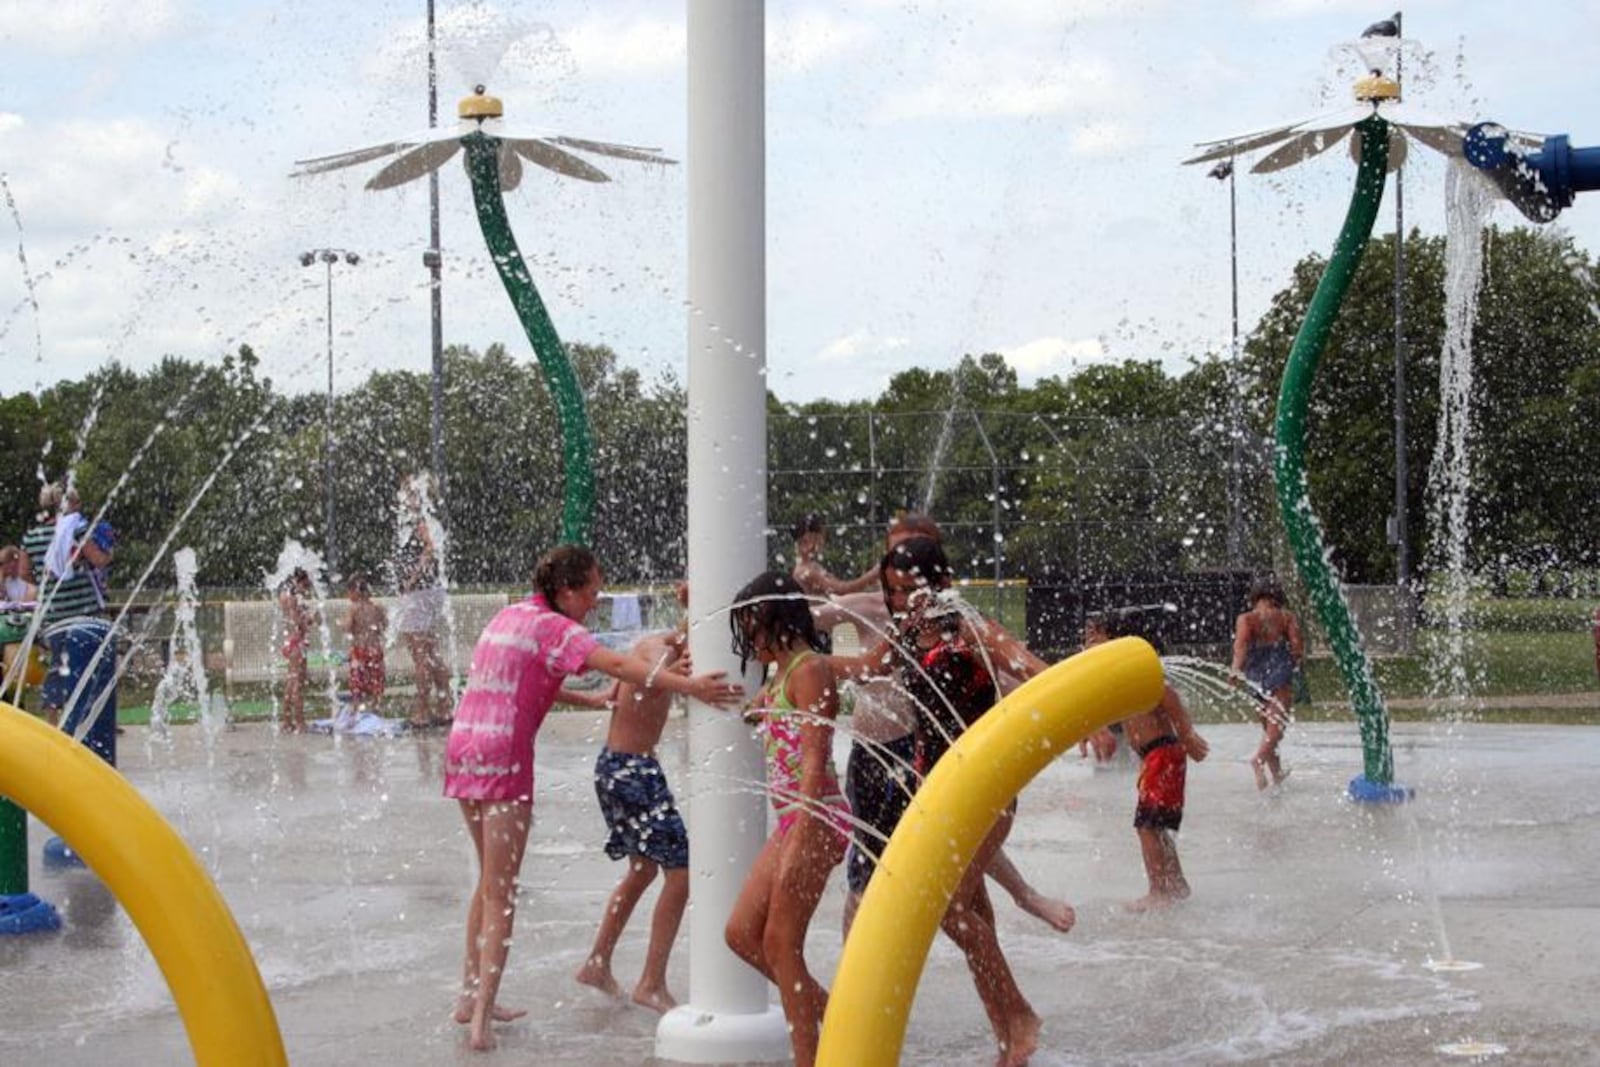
(1165,740)
(367,624)
(517,667)
(795,714)
(947,662)
(645,826)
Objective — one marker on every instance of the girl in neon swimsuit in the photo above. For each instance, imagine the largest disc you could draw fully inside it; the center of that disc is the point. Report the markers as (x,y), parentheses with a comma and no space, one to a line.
(795,714)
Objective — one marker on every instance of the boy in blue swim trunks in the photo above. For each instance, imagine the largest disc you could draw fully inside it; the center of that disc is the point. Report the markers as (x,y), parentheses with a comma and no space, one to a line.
(645,827)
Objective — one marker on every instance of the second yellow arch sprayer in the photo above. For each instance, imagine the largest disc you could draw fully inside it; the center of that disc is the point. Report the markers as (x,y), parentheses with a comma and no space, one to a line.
(939,834)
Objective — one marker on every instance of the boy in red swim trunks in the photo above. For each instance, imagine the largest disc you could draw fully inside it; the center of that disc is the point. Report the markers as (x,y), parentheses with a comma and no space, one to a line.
(1165,740)
(367,623)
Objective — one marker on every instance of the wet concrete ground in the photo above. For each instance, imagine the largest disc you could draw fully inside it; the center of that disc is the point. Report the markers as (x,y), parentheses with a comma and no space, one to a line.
(1304,943)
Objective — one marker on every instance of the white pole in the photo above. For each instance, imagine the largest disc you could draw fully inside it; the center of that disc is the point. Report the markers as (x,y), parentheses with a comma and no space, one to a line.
(728,1018)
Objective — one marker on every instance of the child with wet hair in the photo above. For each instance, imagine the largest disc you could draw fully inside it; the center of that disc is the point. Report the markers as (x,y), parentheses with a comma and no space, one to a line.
(794,713)
(948,659)
(1165,740)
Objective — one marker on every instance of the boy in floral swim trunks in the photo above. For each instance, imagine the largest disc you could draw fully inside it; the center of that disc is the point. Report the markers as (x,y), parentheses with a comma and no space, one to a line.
(1165,740)
(645,826)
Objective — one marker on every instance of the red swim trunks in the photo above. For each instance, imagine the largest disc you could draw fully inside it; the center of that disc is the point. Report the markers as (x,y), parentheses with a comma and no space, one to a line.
(1161,781)
(366,673)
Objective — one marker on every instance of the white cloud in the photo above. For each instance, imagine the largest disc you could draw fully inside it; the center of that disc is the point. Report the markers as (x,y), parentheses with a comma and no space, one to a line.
(10,121)
(65,27)
(1101,140)
(860,344)
(806,40)
(973,89)
(605,46)
(1044,356)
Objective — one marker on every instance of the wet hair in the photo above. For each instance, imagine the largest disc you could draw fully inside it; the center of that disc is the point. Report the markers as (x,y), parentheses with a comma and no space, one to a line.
(921,556)
(915,524)
(808,524)
(563,567)
(357,583)
(1266,587)
(780,615)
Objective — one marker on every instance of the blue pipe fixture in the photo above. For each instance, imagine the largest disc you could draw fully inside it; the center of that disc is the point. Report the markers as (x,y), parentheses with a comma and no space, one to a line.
(1540,183)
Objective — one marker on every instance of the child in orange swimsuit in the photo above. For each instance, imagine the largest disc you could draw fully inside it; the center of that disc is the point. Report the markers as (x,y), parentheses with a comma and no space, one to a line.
(1165,740)
(772,623)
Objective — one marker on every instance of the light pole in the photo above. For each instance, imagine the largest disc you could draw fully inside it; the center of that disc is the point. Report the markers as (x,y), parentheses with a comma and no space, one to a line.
(1224,171)
(433,260)
(328,257)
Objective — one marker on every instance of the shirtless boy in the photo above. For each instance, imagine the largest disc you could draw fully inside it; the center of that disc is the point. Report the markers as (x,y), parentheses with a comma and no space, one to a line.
(645,826)
(1165,740)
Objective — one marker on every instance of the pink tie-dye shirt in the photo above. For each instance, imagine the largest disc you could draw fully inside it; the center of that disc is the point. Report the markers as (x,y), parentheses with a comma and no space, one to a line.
(517,669)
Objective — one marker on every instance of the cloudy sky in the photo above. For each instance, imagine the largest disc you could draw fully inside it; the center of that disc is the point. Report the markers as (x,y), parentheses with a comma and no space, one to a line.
(944,176)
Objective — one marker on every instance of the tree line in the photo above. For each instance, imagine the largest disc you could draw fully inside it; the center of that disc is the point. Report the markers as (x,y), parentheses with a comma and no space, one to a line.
(1113,468)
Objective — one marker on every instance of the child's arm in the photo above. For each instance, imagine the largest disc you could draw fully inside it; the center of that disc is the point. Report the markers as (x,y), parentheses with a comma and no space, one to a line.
(875,662)
(599,700)
(1008,654)
(1182,725)
(1297,644)
(707,688)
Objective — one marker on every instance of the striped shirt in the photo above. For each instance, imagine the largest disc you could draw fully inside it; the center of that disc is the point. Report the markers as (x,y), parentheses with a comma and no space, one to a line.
(75,597)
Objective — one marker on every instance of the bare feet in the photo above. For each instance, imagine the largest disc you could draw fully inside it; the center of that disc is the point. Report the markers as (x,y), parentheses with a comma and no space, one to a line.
(1058,913)
(596,974)
(1149,902)
(482,1038)
(1022,1041)
(465,1004)
(657,1000)
(1261,773)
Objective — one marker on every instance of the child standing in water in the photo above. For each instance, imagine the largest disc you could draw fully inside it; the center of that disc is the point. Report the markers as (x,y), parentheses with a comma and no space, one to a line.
(645,827)
(947,661)
(1267,650)
(1165,741)
(517,668)
(295,608)
(367,624)
(795,714)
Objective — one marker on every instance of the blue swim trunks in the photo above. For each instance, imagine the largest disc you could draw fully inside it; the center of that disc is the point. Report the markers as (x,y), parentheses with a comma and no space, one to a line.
(639,810)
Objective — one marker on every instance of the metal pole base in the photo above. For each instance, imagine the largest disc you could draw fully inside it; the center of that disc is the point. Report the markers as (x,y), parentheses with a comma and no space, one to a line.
(24,913)
(687,1034)
(1364,790)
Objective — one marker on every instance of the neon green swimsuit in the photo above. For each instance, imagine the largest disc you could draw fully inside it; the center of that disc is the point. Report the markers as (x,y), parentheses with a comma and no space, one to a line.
(780,734)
